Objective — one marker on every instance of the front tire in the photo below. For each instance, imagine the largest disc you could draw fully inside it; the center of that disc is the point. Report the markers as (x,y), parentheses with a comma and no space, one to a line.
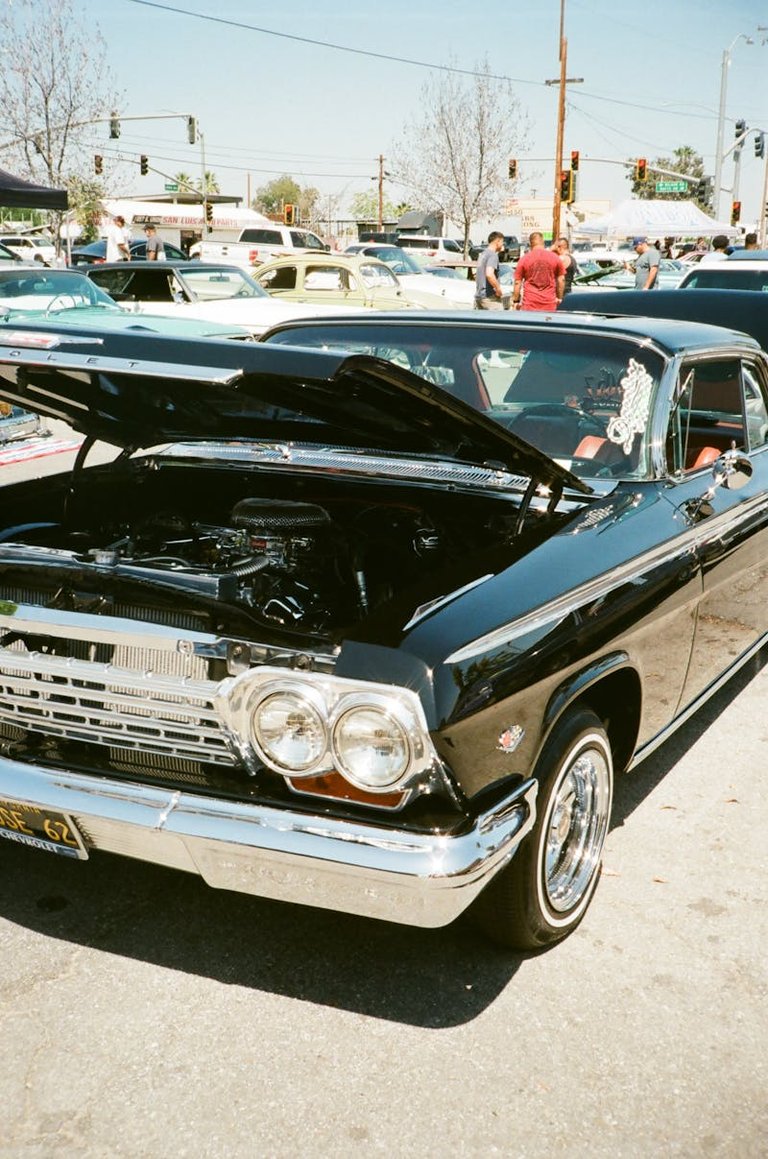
(546,889)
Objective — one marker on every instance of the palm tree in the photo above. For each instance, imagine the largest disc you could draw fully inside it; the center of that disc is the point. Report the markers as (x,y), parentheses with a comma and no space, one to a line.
(184,182)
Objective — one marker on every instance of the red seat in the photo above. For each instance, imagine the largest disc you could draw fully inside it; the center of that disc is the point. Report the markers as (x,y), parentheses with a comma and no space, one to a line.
(704,456)
(588,447)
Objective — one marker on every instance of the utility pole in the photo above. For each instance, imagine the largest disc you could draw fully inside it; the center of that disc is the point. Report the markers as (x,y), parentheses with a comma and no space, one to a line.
(381,192)
(562,81)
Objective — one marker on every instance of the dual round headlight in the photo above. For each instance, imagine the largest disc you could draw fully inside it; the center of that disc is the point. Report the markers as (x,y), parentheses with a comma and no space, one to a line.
(362,739)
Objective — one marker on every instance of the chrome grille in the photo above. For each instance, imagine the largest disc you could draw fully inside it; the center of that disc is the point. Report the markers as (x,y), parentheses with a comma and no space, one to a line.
(103,704)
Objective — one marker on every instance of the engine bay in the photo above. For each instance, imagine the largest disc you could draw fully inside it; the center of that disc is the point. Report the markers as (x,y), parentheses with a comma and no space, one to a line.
(304,555)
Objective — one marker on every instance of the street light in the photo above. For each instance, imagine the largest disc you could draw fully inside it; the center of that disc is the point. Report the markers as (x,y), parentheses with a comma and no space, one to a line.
(721,119)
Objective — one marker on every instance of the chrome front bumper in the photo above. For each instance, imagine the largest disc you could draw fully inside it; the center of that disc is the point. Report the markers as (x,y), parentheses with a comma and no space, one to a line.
(417,879)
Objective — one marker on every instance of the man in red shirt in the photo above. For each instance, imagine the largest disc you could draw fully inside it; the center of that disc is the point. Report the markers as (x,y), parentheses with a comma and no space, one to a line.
(539,278)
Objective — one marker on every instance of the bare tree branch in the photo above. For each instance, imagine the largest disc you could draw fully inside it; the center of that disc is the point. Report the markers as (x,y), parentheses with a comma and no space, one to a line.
(455,156)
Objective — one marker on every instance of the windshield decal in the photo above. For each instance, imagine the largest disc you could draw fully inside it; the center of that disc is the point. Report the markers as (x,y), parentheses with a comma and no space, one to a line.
(636,386)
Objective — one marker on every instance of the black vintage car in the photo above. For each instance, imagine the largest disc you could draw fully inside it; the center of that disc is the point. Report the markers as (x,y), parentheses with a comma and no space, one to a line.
(332,631)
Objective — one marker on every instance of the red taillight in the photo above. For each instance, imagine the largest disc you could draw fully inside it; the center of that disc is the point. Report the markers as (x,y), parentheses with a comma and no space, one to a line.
(253,257)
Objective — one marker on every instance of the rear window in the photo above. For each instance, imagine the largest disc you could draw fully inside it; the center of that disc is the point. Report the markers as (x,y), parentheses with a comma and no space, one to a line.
(713,278)
(262,236)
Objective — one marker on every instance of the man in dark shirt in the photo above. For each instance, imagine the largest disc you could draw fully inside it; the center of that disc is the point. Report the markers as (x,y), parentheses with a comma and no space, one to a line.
(488,292)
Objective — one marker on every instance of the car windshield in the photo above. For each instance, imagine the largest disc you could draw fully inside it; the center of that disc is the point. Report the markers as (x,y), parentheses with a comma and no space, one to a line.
(569,394)
(375,274)
(27,289)
(399,261)
(207,283)
(303,240)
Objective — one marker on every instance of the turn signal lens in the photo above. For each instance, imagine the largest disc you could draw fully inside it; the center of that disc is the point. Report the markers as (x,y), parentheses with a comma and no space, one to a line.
(370,747)
(289,731)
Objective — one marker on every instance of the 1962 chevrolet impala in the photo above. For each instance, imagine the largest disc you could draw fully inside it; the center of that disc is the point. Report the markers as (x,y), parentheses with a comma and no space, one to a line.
(334,632)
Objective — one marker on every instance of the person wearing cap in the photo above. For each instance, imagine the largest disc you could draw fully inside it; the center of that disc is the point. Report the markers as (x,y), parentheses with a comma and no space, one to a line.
(646,264)
(155,244)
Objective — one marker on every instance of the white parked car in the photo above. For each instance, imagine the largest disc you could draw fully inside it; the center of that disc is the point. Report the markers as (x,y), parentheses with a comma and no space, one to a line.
(430,247)
(30,246)
(420,284)
(217,293)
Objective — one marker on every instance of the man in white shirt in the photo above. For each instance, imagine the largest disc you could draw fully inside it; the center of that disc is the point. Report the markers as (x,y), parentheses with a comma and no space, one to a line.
(718,253)
(118,237)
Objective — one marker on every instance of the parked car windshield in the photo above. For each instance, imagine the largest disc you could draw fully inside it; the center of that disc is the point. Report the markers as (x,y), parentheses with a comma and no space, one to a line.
(554,390)
(304,240)
(398,260)
(211,282)
(28,289)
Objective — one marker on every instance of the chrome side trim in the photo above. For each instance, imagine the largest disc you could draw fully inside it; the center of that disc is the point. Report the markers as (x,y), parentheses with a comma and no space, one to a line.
(422,879)
(714,528)
(12,355)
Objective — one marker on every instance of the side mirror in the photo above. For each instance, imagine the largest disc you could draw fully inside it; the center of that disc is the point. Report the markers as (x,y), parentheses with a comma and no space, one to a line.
(732,470)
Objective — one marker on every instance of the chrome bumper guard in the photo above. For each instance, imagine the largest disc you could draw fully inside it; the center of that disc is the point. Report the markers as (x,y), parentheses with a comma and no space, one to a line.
(417,879)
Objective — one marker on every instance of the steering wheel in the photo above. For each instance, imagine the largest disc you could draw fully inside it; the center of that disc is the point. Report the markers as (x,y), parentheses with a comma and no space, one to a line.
(585,423)
(60,302)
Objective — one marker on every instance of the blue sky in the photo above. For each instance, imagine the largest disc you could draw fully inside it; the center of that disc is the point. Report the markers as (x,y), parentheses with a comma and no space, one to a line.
(269,104)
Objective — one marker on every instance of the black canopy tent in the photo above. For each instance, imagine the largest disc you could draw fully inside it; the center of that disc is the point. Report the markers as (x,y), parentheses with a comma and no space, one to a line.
(15,193)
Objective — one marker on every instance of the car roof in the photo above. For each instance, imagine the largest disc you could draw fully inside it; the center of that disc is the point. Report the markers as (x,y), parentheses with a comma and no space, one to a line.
(325,259)
(671,335)
(740,310)
(179,264)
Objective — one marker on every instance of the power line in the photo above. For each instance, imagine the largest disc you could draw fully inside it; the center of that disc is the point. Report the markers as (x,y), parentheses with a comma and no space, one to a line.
(328,44)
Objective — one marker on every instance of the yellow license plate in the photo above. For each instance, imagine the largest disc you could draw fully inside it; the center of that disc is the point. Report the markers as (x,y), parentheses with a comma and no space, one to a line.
(41,828)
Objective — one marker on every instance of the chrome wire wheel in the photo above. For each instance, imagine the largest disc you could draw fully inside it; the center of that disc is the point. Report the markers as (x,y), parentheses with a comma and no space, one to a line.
(544,892)
(578,822)
(575,825)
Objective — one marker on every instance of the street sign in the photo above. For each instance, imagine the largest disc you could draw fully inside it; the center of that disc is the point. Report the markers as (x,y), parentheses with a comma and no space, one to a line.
(671,186)
(171,187)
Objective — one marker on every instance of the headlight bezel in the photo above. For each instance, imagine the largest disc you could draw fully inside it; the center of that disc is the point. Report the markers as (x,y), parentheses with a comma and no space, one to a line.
(332,698)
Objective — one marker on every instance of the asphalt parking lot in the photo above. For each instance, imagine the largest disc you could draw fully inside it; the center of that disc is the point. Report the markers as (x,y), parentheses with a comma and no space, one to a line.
(144,1014)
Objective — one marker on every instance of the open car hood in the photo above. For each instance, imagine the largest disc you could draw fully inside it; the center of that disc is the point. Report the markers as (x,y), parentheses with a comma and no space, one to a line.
(139,390)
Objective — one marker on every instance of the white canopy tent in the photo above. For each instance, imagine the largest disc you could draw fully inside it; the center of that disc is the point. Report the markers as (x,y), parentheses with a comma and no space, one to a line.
(655,218)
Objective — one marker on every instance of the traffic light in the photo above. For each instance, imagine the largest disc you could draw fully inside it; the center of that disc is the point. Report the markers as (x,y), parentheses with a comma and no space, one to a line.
(512,169)
(208,212)
(98,164)
(289,214)
(760,145)
(735,212)
(144,164)
(191,130)
(574,160)
(641,169)
(740,129)
(704,189)
(114,127)
(566,185)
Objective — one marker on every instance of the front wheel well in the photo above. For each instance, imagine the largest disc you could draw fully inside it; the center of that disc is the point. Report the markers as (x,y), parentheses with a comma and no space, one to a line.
(616,700)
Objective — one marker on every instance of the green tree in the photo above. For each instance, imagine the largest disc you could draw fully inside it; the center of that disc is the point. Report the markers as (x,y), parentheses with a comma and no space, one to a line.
(271,198)
(365,207)
(685,161)
(454,156)
(85,201)
(186,183)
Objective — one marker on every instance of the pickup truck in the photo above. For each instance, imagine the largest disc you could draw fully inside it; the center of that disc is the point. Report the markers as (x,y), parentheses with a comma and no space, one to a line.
(258,244)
